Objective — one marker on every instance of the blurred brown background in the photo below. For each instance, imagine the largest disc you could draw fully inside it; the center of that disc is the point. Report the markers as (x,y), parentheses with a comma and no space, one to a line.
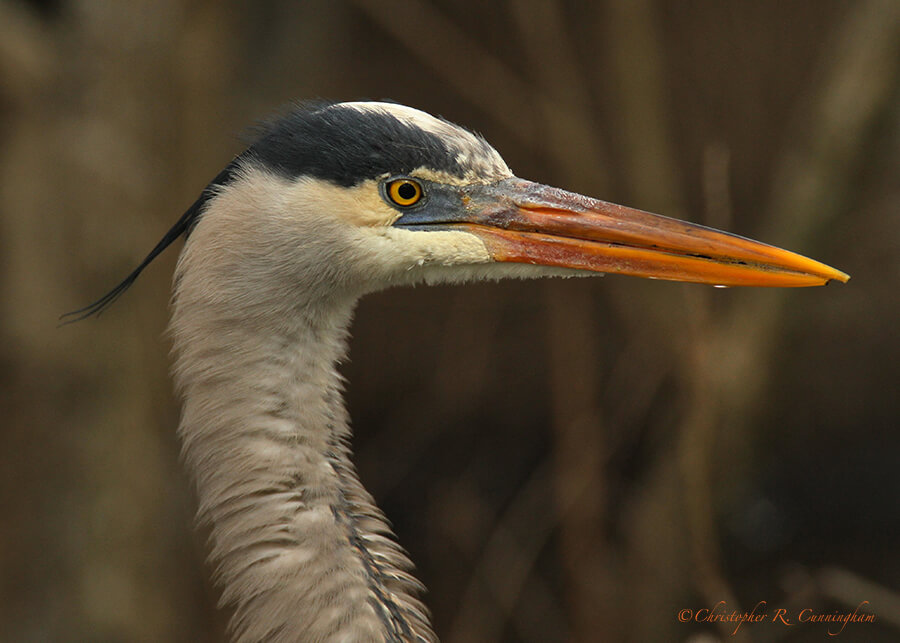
(565,461)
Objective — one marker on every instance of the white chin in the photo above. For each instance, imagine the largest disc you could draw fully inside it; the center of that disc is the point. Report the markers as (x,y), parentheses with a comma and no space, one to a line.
(495,271)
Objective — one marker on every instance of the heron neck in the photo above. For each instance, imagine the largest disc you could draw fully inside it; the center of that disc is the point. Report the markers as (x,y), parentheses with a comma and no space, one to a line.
(300,549)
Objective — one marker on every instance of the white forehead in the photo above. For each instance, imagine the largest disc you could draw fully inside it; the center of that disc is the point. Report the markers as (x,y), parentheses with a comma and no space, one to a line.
(411,115)
(471,150)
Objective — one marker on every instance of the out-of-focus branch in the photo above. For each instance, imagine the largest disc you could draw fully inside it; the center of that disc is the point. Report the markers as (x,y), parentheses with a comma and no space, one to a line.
(716,188)
(571,135)
(847,588)
(26,54)
(805,588)
(640,90)
(580,453)
(507,562)
(811,181)
(698,432)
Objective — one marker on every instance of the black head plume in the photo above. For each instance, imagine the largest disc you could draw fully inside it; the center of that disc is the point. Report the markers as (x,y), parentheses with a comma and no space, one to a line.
(182,226)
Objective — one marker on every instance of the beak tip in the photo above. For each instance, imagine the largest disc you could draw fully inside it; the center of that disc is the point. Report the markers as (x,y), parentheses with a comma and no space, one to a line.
(836,275)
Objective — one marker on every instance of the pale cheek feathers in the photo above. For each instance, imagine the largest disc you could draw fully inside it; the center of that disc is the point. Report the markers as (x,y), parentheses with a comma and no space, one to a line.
(359,206)
(444,247)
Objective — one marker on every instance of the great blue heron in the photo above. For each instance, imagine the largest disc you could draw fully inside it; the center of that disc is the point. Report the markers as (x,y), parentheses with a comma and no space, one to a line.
(333,201)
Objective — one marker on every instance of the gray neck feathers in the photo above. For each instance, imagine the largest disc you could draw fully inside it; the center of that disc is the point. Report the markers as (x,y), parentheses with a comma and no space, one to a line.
(300,549)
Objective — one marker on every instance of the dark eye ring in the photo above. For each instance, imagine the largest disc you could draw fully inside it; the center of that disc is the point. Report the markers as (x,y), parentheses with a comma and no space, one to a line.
(404,192)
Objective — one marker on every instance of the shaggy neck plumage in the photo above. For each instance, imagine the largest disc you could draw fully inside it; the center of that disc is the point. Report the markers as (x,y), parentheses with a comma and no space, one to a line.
(300,549)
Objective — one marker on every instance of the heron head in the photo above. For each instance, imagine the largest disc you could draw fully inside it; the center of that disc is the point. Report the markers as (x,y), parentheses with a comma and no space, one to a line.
(382,193)
(358,196)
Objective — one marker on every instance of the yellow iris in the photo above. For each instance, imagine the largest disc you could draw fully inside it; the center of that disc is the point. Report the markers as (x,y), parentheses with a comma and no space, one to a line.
(404,192)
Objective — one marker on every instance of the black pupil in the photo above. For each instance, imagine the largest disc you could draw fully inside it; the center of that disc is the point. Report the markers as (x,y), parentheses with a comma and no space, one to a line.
(407,191)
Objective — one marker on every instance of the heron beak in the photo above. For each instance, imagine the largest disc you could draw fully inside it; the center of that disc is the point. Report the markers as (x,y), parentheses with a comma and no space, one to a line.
(524,222)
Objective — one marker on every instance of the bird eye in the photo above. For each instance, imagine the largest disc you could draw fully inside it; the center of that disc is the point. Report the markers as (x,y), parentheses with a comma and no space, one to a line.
(404,192)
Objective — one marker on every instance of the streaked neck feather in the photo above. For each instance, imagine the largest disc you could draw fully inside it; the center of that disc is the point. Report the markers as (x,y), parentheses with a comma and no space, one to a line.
(300,549)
